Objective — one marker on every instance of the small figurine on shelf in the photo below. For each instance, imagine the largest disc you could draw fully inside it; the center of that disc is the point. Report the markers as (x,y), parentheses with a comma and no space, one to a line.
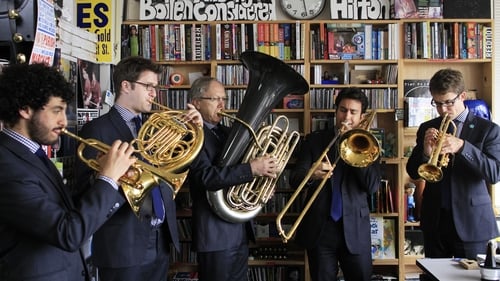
(410,190)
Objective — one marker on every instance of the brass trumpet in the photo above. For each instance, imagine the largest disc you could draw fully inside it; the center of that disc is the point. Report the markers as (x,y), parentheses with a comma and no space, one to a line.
(357,147)
(166,143)
(432,170)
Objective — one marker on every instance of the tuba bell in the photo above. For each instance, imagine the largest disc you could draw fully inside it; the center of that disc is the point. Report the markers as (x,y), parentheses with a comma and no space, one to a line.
(167,146)
(270,81)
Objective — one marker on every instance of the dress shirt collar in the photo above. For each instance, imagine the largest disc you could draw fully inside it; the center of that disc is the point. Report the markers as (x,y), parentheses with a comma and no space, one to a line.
(31,145)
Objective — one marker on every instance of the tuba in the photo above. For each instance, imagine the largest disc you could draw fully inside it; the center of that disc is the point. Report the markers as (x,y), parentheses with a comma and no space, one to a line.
(167,146)
(270,81)
(357,147)
(432,170)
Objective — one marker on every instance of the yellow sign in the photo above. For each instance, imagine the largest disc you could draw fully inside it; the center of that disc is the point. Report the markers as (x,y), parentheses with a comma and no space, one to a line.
(96,16)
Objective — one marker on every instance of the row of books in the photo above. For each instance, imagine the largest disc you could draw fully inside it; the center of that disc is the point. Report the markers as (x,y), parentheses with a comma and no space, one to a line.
(237,74)
(281,40)
(448,40)
(185,255)
(382,201)
(324,98)
(330,41)
(170,42)
(274,273)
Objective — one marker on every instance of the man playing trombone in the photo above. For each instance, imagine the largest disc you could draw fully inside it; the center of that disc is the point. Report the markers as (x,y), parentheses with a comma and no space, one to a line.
(336,229)
(456,217)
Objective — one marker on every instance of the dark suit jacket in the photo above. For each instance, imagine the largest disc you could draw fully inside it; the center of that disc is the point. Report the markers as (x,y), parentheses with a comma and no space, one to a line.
(357,184)
(210,232)
(122,241)
(469,171)
(41,230)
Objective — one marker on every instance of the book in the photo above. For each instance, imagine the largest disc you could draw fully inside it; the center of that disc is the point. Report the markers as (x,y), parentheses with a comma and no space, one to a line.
(185,276)
(417,99)
(383,237)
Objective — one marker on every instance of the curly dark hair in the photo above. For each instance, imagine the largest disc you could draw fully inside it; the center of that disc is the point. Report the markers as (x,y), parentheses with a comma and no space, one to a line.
(130,68)
(25,85)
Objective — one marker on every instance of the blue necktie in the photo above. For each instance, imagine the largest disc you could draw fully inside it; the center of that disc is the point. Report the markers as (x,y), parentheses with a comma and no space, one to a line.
(43,156)
(336,209)
(158,207)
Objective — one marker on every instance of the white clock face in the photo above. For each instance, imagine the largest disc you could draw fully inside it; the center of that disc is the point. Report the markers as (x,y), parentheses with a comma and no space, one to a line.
(302,9)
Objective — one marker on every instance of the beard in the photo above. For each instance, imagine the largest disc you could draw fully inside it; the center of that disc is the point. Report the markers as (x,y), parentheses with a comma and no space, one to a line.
(39,132)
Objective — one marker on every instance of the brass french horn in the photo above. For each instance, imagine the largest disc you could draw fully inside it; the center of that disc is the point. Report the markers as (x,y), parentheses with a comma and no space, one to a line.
(167,144)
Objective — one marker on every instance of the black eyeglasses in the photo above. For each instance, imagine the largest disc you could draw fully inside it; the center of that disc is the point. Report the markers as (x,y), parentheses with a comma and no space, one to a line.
(217,99)
(448,103)
(148,86)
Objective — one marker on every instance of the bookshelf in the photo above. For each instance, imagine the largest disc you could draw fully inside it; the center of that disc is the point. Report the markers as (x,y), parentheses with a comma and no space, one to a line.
(380,73)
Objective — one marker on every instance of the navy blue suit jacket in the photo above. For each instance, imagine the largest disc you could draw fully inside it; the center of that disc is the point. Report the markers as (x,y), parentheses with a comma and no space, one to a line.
(357,184)
(123,240)
(469,171)
(210,232)
(41,229)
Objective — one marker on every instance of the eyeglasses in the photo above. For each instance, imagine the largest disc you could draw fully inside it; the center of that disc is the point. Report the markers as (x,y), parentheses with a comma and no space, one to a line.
(448,103)
(148,86)
(217,99)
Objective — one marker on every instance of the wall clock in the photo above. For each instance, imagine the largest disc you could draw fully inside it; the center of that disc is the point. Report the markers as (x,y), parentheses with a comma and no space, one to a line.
(302,9)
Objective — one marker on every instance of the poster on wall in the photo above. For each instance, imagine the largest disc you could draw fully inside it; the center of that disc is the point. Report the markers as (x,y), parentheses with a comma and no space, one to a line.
(206,10)
(44,45)
(102,17)
(360,9)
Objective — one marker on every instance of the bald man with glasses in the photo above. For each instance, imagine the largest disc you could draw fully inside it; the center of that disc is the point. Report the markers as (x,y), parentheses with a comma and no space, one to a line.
(457,217)
(221,246)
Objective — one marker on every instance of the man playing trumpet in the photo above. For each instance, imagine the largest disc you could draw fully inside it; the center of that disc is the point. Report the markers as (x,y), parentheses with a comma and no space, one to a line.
(457,218)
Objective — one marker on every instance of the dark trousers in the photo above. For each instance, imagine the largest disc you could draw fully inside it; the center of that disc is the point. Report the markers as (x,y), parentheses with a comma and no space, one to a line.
(324,260)
(446,243)
(227,265)
(153,268)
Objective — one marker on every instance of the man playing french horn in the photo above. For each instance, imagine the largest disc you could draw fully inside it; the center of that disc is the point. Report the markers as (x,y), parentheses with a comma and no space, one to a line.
(336,229)
(457,217)
(128,247)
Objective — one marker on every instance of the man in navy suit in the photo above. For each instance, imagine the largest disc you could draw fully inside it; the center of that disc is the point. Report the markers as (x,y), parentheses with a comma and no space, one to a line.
(128,247)
(457,217)
(221,246)
(41,228)
(336,229)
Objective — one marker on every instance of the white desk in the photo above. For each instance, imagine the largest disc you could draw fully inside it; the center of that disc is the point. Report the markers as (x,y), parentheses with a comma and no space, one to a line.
(447,270)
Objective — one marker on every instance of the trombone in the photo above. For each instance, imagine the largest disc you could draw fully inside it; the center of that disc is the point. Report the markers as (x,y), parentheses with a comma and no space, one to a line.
(432,170)
(357,147)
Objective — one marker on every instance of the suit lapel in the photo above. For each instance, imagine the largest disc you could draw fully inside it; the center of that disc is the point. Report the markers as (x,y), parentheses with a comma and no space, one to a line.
(469,127)
(52,174)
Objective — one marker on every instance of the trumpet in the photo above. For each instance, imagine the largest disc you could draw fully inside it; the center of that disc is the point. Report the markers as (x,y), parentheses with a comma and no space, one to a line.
(357,147)
(166,144)
(432,170)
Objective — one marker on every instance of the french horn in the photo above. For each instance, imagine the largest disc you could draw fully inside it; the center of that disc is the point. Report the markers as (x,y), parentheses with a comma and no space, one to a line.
(166,144)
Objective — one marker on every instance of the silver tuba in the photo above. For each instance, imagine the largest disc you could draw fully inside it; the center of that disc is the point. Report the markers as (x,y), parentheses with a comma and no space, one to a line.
(270,81)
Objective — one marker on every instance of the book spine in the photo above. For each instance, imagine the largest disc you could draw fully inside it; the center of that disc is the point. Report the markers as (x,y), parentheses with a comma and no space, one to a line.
(471,40)
(218,42)
(488,42)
